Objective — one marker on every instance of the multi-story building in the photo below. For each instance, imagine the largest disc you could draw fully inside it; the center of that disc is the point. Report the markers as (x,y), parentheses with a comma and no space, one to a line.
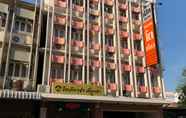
(89,51)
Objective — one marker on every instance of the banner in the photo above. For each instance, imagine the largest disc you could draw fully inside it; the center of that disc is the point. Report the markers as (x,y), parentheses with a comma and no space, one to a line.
(149,36)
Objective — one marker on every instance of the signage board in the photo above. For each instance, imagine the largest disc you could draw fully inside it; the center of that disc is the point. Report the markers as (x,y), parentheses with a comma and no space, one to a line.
(84,89)
(149,36)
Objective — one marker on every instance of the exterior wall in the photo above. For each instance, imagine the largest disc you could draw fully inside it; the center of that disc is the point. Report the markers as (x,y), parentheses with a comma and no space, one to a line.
(79,42)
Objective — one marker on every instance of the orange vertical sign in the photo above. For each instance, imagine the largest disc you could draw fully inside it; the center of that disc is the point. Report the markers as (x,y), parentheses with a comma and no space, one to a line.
(150,42)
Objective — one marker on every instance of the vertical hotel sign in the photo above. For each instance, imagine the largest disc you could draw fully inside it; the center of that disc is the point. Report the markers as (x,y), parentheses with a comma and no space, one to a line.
(149,35)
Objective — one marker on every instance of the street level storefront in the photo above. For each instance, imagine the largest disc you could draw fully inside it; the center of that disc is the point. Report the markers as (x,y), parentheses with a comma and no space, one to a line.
(14,108)
(74,106)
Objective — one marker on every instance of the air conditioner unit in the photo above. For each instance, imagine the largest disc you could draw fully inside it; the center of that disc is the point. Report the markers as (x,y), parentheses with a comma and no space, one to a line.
(17,40)
(43,88)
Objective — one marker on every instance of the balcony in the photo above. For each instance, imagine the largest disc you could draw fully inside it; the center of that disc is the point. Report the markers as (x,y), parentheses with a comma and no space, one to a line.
(123,34)
(143,89)
(109,31)
(77,24)
(61,20)
(111,65)
(109,16)
(156,90)
(95,1)
(95,12)
(58,59)
(136,9)
(111,49)
(112,87)
(137,36)
(137,22)
(128,88)
(123,6)
(59,40)
(77,44)
(96,46)
(109,2)
(140,69)
(61,3)
(127,68)
(139,53)
(95,63)
(123,19)
(77,61)
(126,51)
(77,82)
(53,80)
(95,27)
(78,8)
(94,81)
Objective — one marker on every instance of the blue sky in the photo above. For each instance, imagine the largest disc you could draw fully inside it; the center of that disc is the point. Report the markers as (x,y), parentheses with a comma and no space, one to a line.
(172,35)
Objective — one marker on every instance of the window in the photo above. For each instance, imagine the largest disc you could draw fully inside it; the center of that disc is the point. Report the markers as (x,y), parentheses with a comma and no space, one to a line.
(2,19)
(135,16)
(109,40)
(23,25)
(110,76)
(76,74)
(137,45)
(154,80)
(77,35)
(78,2)
(126,78)
(29,28)
(124,44)
(59,33)
(122,13)
(108,9)
(140,79)
(18,69)
(139,62)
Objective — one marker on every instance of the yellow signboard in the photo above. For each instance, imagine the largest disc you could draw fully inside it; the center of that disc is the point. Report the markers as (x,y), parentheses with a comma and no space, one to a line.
(85,89)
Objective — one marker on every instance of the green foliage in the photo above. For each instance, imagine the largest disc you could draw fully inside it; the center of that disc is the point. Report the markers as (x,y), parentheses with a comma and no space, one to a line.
(181,88)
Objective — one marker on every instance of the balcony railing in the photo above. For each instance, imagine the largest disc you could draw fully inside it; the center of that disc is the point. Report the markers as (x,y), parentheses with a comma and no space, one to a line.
(95,27)
(136,9)
(123,19)
(78,8)
(61,3)
(61,20)
(127,68)
(140,69)
(139,53)
(137,22)
(156,90)
(95,1)
(111,49)
(59,40)
(109,2)
(95,12)
(126,51)
(95,63)
(111,65)
(77,61)
(96,46)
(109,16)
(77,24)
(143,89)
(77,82)
(137,36)
(123,34)
(58,59)
(128,88)
(109,31)
(112,87)
(123,6)
(77,44)
(54,80)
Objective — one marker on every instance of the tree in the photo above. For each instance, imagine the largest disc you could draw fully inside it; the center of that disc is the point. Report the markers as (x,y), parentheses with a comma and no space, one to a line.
(181,88)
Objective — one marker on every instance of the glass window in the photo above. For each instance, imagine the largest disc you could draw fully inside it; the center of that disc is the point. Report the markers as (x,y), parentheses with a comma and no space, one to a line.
(137,45)
(110,76)
(11,67)
(126,78)
(140,79)
(23,27)
(29,28)
(17,26)
(24,70)
(17,70)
